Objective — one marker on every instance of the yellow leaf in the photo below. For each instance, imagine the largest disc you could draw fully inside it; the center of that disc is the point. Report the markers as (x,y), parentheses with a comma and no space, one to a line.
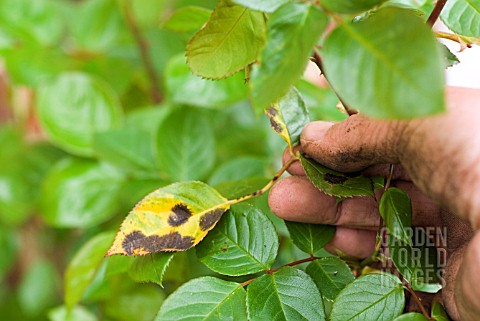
(173,218)
(278,123)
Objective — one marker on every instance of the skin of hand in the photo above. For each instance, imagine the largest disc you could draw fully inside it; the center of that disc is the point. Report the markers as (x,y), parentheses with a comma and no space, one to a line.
(438,165)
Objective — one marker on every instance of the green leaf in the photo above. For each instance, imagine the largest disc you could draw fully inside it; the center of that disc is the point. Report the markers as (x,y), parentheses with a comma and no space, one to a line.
(185,88)
(188,18)
(427,287)
(239,188)
(244,242)
(229,171)
(231,40)
(40,21)
(394,74)
(370,297)
(80,193)
(449,57)
(320,102)
(412,316)
(16,200)
(73,107)
(150,268)
(147,119)
(25,69)
(205,298)
(83,267)
(292,32)
(438,312)
(396,210)
(146,13)
(264,5)
(331,275)
(77,313)
(417,262)
(185,145)
(129,148)
(136,189)
(288,117)
(288,294)
(462,17)
(310,238)
(335,183)
(172,218)
(136,303)
(350,6)
(37,290)
(117,70)
(104,27)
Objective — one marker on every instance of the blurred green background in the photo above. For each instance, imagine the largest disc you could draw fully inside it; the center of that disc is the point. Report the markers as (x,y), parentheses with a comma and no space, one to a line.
(97,109)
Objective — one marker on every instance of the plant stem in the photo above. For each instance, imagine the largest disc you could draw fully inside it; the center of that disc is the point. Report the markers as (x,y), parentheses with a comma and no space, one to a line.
(465,42)
(436,12)
(389,178)
(266,187)
(271,271)
(417,299)
(308,259)
(142,44)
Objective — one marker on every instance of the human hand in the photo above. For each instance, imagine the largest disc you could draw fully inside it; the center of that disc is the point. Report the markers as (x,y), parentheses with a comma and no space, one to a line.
(438,154)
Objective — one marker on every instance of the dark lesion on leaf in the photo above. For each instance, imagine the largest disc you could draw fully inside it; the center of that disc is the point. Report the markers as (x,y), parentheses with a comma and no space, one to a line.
(133,241)
(180,215)
(335,179)
(155,243)
(272,113)
(210,219)
(170,242)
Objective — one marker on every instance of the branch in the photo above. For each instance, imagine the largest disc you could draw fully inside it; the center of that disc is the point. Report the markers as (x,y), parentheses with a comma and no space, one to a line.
(142,45)
(417,299)
(308,259)
(463,41)
(436,12)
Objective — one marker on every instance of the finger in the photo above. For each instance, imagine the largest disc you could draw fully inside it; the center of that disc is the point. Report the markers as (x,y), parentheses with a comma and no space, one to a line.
(353,144)
(295,198)
(352,242)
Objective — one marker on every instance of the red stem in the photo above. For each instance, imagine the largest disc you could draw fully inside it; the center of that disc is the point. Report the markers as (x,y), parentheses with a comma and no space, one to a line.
(436,12)
(271,271)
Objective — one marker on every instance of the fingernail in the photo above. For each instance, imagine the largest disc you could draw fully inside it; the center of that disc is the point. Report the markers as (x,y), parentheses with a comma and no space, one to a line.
(315,130)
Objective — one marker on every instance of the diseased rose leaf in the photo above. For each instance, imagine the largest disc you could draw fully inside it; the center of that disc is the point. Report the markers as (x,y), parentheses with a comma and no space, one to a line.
(335,183)
(172,218)
(288,117)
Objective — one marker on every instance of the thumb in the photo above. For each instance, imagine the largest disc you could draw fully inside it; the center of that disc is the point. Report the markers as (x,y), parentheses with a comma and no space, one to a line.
(353,144)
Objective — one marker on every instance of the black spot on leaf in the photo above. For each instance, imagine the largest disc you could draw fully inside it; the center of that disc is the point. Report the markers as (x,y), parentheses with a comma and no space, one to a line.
(209,219)
(154,243)
(133,241)
(170,242)
(180,215)
(276,127)
(334,179)
(272,113)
